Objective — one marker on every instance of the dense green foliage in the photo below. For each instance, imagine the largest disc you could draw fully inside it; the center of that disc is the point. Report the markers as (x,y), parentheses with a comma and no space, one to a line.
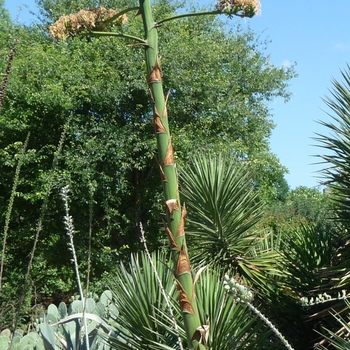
(95,91)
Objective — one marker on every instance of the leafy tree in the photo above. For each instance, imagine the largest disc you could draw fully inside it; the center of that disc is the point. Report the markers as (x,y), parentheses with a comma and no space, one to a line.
(302,206)
(5,18)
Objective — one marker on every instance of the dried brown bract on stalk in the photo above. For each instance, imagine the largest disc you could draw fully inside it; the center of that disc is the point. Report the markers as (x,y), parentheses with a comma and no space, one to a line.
(242,8)
(98,19)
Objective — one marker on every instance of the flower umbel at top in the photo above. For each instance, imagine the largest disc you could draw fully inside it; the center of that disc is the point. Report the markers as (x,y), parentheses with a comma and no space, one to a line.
(84,21)
(242,8)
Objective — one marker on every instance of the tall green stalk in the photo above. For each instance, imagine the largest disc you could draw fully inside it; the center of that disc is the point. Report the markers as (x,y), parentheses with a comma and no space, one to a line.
(174,213)
(82,24)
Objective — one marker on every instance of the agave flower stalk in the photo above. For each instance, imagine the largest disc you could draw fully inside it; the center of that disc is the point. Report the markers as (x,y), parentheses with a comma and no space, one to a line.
(174,213)
(94,22)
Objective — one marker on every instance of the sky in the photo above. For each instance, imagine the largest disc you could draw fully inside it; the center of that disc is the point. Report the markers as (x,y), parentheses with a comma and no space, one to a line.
(314,35)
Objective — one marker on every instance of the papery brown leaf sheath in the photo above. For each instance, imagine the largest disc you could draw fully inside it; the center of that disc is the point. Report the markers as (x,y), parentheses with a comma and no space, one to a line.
(165,112)
(156,74)
(157,123)
(169,156)
(162,174)
(185,304)
(202,335)
(173,245)
(183,264)
(171,205)
(181,230)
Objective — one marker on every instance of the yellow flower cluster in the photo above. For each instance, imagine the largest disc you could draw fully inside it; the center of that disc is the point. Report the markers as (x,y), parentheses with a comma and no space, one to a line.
(97,19)
(243,8)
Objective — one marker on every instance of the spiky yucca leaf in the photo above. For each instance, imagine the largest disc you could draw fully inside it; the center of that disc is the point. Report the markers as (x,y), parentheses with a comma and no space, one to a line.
(141,305)
(223,213)
(339,339)
(337,144)
(222,208)
(306,250)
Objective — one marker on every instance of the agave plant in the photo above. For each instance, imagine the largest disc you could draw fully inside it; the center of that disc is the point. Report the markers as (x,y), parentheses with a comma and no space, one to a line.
(63,328)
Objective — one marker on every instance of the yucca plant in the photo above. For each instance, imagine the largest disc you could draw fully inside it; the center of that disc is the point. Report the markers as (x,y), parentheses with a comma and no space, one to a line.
(225,230)
(335,275)
(224,213)
(337,166)
(336,143)
(144,320)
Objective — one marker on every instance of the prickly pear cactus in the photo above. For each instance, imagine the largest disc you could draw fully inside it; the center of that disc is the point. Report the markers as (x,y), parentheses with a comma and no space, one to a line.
(62,328)
(29,341)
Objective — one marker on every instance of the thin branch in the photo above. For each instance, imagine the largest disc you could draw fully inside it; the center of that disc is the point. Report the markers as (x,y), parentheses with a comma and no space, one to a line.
(88,263)
(121,13)
(119,35)
(270,325)
(10,205)
(40,221)
(190,14)
(90,237)
(68,221)
(7,74)
(242,294)
(47,196)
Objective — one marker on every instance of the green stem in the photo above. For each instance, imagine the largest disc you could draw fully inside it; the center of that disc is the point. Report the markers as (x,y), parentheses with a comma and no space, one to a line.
(10,205)
(121,13)
(190,14)
(119,35)
(175,215)
(271,325)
